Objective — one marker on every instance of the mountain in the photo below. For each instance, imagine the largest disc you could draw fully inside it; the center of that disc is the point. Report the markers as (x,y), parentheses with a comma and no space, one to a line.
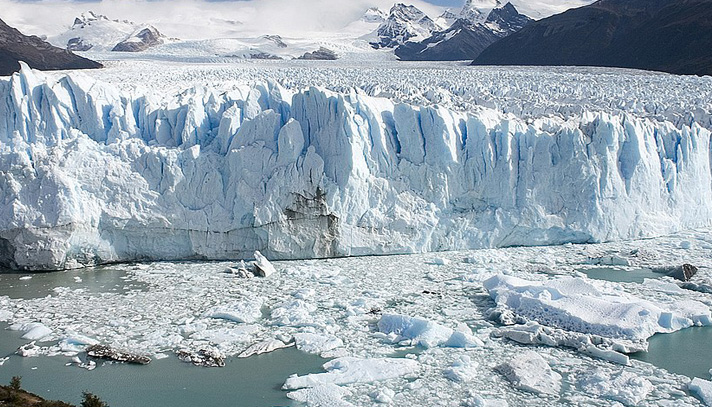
(664,35)
(38,54)
(404,23)
(465,39)
(97,32)
(140,40)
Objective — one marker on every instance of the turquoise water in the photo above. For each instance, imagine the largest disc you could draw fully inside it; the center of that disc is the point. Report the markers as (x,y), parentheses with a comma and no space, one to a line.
(620,275)
(253,382)
(687,352)
(106,279)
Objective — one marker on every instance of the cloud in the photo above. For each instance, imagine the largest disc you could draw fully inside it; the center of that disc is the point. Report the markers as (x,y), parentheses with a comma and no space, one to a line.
(196,19)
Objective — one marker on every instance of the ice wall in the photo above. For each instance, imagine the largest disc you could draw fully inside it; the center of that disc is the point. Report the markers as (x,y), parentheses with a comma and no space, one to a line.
(90,174)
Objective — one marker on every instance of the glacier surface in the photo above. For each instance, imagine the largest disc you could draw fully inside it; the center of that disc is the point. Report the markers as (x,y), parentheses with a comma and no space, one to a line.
(95,173)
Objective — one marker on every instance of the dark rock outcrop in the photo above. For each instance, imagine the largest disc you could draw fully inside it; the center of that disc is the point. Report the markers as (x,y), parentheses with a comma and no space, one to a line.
(204,357)
(38,54)
(322,54)
(664,35)
(683,273)
(109,353)
(461,41)
(140,41)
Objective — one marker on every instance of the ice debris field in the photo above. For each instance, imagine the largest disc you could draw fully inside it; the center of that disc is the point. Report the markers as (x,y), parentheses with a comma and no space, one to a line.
(215,162)
(141,162)
(491,327)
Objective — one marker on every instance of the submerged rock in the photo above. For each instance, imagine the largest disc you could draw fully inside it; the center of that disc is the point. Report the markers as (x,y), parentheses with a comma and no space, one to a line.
(204,357)
(109,353)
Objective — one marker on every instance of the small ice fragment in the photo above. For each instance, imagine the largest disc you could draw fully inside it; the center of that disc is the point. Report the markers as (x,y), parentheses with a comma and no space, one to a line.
(685,244)
(440,261)
(530,372)
(23,278)
(264,347)
(263,268)
(383,396)
(703,389)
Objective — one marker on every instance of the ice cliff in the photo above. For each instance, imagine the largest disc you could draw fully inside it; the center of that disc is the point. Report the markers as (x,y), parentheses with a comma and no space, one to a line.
(91,174)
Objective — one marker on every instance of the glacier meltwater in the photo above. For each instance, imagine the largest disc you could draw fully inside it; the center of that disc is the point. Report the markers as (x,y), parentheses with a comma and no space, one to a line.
(90,173)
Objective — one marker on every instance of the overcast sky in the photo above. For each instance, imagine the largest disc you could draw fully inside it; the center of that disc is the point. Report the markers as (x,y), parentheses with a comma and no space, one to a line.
(191,19)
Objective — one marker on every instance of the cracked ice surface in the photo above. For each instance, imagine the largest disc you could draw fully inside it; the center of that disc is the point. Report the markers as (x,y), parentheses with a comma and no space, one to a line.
(334,307)
(218,161)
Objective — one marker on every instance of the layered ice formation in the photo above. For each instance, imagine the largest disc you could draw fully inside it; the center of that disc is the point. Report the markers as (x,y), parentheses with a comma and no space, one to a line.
(93,174)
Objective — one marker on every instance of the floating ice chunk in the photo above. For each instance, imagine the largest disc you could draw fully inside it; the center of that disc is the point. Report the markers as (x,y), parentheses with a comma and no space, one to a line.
(293,313)
(263,268)
(575,305)
(246,311)
(317,343)
(703,389)
(349,370)
(463,369)
(685,244)
(610,260)
(529,371)
(383,396)
(76,343)
(423,332)
(34,331)
(25,278)
(267,346)
(3,360)
(440,261)
(30,350)
(5,315)
(476,400)
(323,395)
(622,386)
(242,333)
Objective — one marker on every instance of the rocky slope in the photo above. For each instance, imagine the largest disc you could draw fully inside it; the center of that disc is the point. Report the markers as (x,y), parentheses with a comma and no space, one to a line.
(665,35)
(38,54)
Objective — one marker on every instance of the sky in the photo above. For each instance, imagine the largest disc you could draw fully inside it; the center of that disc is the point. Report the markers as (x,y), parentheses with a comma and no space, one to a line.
(194,19)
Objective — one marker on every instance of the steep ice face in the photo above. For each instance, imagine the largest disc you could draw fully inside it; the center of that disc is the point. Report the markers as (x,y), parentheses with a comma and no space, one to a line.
(91,174)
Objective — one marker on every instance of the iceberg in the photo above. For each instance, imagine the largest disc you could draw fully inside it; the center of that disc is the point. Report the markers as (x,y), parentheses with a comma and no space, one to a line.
(92,174)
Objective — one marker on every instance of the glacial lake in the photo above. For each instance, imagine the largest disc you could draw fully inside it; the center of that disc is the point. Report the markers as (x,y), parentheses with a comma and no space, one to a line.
(620,275)
(687,352)
(255,381)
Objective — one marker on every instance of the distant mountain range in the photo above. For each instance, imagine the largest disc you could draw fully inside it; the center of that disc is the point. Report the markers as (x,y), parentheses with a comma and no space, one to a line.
(664,35)
(37,53)
(472,31)
(98,32)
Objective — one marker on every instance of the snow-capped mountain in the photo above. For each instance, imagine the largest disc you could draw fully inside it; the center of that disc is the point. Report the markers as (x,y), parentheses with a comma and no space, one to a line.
(15,47)
(473,11)
(404,22)
(96,32)
(374,15)
(465,38)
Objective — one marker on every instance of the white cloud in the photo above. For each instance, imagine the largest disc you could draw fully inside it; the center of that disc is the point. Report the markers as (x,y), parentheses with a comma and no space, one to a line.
(194,19)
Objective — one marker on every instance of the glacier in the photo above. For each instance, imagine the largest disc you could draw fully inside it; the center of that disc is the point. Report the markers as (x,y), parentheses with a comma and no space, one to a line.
(91,173)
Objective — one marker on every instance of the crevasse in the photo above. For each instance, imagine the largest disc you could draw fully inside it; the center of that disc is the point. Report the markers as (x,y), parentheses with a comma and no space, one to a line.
(90,174)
